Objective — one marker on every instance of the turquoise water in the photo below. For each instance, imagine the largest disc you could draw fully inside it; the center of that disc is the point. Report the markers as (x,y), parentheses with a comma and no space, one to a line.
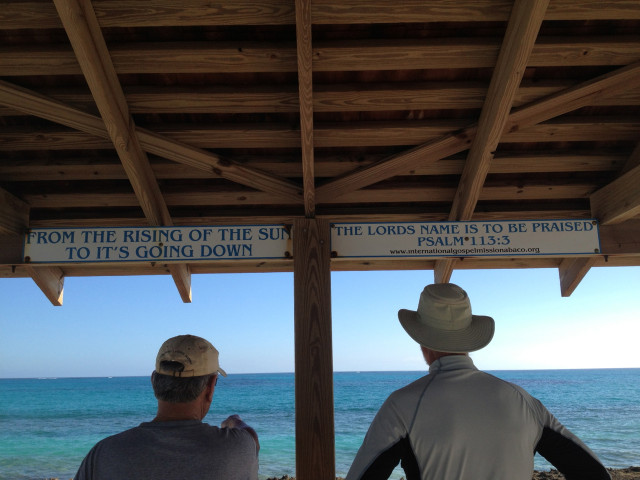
(48,425)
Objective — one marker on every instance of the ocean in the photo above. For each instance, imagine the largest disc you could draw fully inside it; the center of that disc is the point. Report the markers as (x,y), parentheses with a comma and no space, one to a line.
(47,425)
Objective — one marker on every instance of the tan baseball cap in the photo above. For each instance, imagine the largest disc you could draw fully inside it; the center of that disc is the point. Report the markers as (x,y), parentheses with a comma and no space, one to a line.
(190,356)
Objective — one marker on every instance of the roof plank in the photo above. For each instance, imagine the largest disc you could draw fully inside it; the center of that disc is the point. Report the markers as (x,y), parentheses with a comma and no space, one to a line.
(326,98)
(135,13)
(353,55)
(71,168)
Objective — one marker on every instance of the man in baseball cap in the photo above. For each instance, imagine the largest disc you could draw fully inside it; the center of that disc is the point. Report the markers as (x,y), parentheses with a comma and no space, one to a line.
(176,444)
(458,422)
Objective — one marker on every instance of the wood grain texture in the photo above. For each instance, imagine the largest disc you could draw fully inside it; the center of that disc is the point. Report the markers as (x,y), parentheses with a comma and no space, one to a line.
(305,95)
(315,444)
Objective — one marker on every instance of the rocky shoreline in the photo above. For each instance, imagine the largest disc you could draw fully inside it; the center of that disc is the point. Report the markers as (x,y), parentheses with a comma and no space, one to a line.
(631,473)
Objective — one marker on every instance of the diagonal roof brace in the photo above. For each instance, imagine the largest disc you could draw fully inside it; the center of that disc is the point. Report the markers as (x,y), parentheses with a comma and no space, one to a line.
(520,37)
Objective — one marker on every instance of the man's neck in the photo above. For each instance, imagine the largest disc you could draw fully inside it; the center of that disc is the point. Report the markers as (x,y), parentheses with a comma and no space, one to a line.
(432,355)
(171,412)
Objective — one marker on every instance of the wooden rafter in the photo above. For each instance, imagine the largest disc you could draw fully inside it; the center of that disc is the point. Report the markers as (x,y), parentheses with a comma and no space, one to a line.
(532,114)
(633,161)
(619,200)
(50,280)
(520,37)
(93,56)
(572,271)
(82,27)
(181,275)
(305,89)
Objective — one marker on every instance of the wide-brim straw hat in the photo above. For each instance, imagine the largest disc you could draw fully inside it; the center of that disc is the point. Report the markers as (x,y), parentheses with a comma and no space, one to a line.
(444,322)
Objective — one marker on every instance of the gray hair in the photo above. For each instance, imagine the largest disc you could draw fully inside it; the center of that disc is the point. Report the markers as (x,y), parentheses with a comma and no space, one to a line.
(178,389)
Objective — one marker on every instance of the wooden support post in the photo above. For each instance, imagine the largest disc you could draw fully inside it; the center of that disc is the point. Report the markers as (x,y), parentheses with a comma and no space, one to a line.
(315,433)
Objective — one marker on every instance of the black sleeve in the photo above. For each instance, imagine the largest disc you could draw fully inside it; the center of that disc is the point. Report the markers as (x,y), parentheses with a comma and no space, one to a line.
(573,461)
(384,464)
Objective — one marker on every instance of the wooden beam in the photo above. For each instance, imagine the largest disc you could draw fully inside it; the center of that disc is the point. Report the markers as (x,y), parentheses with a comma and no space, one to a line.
(539,111)
(572,271)
(72,168)
(520,37)
(383,11)
(633,161)
(84,33)
(408,194)
(326,98)
(182,143)
(34,104)
(51,282)
(619,200)
(328,56)
(315,441)
(127,13)
(81,25)
(11,249)
(181,274)
(621,238)
(14,214)
(305,88)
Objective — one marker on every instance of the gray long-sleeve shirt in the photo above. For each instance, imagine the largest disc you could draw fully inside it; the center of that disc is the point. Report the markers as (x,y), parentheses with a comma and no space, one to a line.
(460,423)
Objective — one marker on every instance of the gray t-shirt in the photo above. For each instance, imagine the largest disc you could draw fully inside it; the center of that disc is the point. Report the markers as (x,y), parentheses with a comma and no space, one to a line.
(185,450)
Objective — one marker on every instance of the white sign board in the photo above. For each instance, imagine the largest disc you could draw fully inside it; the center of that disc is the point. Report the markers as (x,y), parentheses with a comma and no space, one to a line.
(506,238)
(461,239)
(152,244)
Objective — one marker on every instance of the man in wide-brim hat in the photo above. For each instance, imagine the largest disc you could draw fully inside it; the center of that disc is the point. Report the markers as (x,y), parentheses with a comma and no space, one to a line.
(458,422)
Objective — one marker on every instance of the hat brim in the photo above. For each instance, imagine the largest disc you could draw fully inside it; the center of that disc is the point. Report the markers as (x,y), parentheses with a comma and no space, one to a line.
(474,337)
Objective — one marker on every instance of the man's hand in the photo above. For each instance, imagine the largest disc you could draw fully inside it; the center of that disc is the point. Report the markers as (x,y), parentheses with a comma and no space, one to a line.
(234,421)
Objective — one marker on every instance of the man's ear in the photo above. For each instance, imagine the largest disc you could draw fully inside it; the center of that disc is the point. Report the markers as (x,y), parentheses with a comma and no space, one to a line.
(211,386)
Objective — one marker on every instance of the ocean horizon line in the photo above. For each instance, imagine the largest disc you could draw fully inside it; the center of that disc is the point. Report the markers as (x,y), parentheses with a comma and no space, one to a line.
(425,371)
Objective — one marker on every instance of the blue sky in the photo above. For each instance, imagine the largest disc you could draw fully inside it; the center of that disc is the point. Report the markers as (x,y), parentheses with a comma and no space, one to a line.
(113,326)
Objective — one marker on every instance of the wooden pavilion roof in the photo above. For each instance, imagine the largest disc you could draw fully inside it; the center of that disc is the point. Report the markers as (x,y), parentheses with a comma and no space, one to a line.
(199,112)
